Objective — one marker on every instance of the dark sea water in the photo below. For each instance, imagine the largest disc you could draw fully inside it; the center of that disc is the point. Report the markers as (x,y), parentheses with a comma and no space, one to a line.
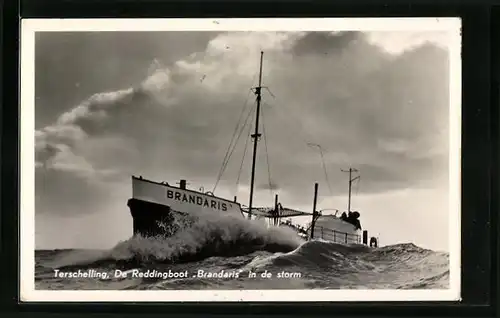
(222,252)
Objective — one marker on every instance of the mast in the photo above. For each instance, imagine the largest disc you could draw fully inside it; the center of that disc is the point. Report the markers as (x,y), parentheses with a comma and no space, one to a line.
(315,213)
(351,180)
(255,136)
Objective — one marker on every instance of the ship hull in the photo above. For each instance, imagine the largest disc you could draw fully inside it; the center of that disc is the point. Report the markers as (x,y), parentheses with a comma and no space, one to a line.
(159,209)
(156,206)
(150,219)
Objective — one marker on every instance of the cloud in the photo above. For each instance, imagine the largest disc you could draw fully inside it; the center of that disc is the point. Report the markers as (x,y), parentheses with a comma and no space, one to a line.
(382,113)
(325,42)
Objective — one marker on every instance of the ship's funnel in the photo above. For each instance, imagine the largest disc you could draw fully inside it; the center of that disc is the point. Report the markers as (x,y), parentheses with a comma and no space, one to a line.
(182,184)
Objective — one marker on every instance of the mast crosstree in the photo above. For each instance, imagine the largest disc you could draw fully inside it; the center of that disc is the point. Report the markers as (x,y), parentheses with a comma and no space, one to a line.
(255,136)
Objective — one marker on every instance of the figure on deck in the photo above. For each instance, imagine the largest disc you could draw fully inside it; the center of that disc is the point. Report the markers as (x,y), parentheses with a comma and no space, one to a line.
(343,217)
(353,218)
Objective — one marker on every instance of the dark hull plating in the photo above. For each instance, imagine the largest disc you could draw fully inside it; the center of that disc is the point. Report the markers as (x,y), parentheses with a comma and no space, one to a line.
(150,219)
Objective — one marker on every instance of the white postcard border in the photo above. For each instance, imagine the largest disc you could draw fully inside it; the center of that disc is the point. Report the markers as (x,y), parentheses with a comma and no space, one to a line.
(27,155)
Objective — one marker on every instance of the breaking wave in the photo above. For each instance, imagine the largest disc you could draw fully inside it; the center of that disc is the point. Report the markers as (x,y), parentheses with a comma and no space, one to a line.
(226,243)
(205,237)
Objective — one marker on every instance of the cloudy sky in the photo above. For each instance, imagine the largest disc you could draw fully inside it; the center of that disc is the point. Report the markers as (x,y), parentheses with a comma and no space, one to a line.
(164,105)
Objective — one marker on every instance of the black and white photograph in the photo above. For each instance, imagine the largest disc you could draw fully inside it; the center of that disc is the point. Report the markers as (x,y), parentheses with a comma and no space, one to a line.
(240,159)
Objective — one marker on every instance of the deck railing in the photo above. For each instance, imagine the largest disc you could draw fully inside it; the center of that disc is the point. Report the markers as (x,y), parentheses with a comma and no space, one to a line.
(336,236)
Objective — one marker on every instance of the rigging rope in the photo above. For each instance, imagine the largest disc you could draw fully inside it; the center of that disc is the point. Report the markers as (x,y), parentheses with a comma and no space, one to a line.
(326,173)
(358,181)
(224,166)
(228,154)
(219,175)
(323,162)
(244,153)
(267,153)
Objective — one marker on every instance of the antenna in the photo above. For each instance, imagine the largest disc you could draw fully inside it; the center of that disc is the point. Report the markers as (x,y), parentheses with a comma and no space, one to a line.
(351,180)
(255,136)
(311,144)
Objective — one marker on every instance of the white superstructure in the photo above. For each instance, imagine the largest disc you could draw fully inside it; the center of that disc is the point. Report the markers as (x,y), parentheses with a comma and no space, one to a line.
(181,200)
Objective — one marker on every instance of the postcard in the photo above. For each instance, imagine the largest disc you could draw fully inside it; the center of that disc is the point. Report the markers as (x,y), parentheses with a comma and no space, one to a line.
(240,159)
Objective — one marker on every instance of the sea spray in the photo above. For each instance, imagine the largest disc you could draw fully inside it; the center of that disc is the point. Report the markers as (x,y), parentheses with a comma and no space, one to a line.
(191,238)
(225,244)
(198,236)
(336,266)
